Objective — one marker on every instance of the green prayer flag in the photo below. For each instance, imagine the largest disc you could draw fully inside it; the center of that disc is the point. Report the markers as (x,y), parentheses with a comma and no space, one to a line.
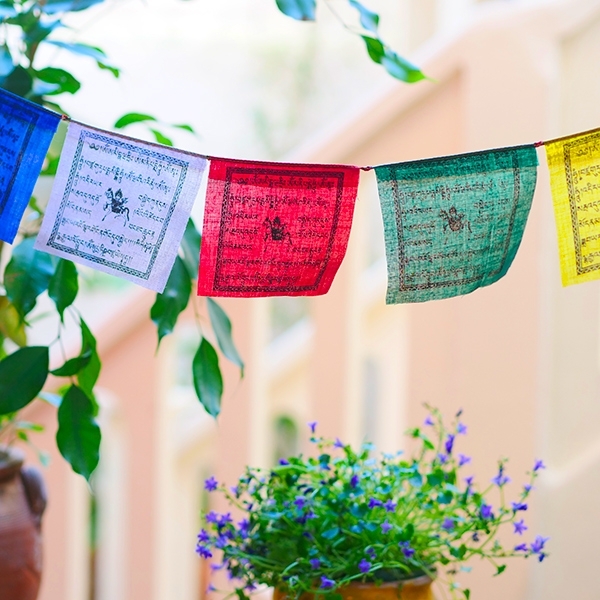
(454,224)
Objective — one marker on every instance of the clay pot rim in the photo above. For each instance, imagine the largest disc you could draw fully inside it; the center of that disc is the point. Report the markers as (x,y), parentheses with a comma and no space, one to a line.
(417,581)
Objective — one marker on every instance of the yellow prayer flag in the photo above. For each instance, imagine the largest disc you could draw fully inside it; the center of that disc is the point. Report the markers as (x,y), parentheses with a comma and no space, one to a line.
(574,165)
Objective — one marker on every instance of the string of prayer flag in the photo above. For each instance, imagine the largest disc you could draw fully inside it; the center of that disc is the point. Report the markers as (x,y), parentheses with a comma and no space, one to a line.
(120,205)
(26,131)
(574,165)
(454,224)
(273,229)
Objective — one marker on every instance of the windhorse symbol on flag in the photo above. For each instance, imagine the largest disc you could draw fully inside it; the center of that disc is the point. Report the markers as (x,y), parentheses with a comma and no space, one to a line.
(120,205)
(454,224)
(274,229)
(26,131)
(574,165)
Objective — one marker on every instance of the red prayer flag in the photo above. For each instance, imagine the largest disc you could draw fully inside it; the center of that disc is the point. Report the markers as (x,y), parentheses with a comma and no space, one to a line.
(273,229)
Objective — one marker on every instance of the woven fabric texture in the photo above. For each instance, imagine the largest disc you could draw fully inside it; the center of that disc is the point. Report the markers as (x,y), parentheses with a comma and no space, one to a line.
(120,205)
(454,224)
(26,131)
(574,165)
(273,229)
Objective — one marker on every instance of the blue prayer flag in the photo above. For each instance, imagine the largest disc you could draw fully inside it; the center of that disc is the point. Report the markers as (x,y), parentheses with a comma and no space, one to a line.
(26,131)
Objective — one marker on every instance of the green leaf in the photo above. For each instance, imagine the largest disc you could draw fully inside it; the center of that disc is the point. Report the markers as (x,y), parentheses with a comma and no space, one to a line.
(302,10)
(499,570)
(6,62)
(27,275)
(131,118)
(63,286)
(22,377)
(400,68)
(73,365)
(185,127)
(160,138)
(222,327)
(116,72)
(329,534)
(208,381)
(173,300)
(51,7)
(375,48)
(7,9)
(19,82)
(88,375)
(78,436)
(37,31)
(190,246)
(368,19)
(11,324)
(64,81)
(86,50)
(467,594)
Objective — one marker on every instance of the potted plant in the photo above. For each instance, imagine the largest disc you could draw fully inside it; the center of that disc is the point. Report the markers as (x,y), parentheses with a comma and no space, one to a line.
(343,521)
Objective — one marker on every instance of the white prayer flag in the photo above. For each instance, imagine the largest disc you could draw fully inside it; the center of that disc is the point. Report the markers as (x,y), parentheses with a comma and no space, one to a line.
(120,205)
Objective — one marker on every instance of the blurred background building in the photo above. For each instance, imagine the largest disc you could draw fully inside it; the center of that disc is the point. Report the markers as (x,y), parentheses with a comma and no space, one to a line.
(522,357)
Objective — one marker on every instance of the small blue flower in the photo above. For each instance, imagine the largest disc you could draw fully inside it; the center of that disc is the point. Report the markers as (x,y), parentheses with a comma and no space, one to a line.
(326,583)
(354,481)
(501,479)
(542,556)
(373,502)
(203,537)
(370,552)
(527,487)
(449,444)
(364,566)
(212,517)
(315,563)
(516,506)
(313,426)
(300,501)
(461,428)
(235,490)
(538,465)
(390,506)
(338,443)
(283,462)
(211,484)
(469,480)
(463,460)
(224,519)
(429,421)
(386,527)
(448,524)
(521,548)
(406,549)
(486,512)
(520,527)
(203,551)
(443,458)
(538,544)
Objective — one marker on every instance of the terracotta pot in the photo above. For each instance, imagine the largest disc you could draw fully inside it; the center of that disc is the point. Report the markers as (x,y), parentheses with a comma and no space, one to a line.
(22,503)
(418,588)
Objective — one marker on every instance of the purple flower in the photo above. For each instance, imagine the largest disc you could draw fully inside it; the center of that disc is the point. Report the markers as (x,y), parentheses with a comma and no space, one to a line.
(385,527)
(244,526)
(370,551)
(501,479)
(429,421)
(283,462)
(313,426)
(224,519)
(461,428)
(486,512)
(390,506)
(364,566)
(211,484)
(326,583)
(250,587)
(449,444)
(203,551)
(442,458)
(519,506)
(338,443)
(221,542)
(211,588)
(373,502)
(354,481)
(538,544)
(300,501)
(406,549)
(521,548)
(475,537)
(235,490)
(216,566)
(463,460)
(448,524)
(469,480)
(311,514)
(538,465)
(542,556)
(203,536)
(527,487)
(212,517)
(520,527)
(315,563)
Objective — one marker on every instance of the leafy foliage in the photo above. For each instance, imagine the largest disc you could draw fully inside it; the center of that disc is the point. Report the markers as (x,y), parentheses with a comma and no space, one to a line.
(316,523)
(208,381)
